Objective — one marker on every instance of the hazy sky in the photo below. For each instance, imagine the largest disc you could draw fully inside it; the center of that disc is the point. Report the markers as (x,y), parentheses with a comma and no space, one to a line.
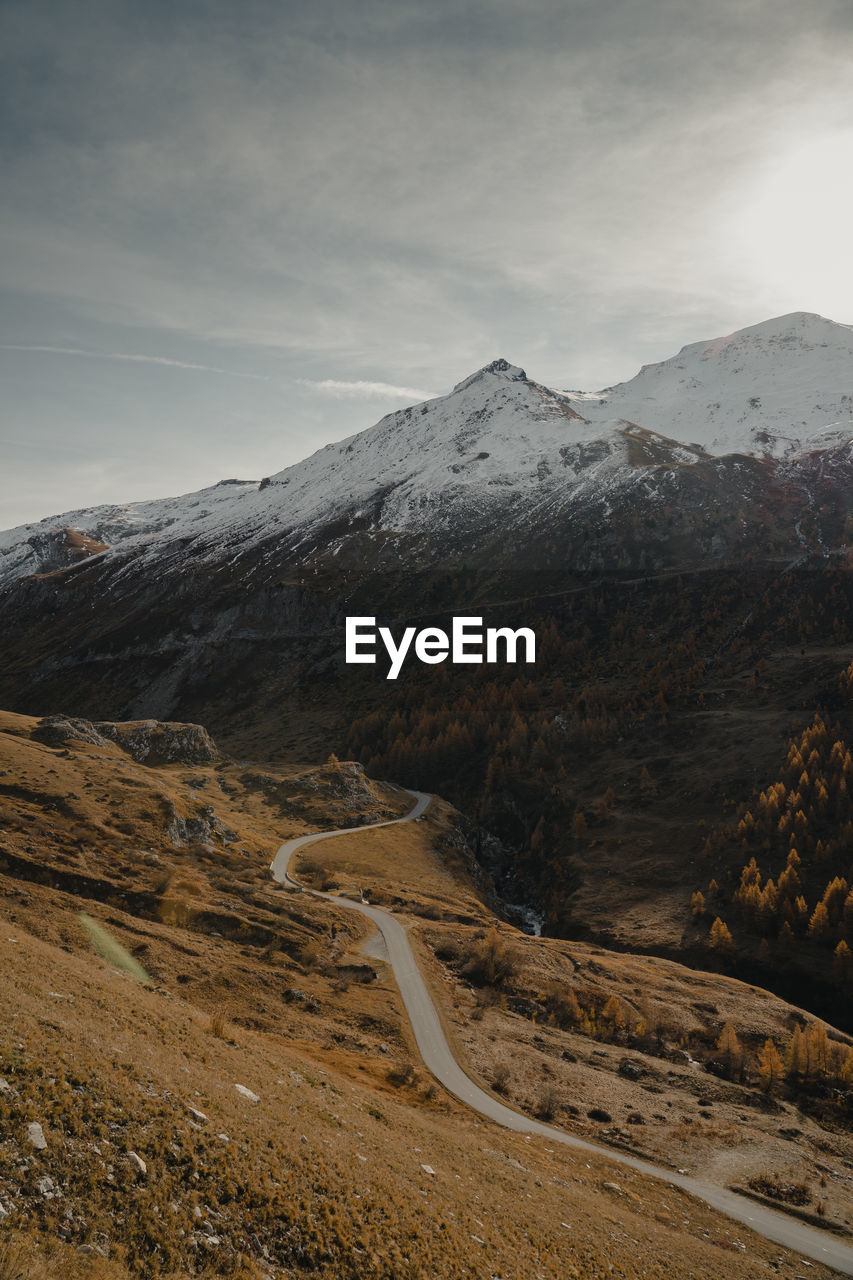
(233,232)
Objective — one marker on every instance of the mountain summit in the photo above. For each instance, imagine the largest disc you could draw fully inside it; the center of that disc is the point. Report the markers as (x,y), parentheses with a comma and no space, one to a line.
(773,388)
(500,367)
(502,453)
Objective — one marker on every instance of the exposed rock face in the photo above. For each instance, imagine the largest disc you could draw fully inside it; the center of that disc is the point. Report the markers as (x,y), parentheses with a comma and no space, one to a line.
(156,742)
(147,741)
(205,828)
(56,731)
(347,780)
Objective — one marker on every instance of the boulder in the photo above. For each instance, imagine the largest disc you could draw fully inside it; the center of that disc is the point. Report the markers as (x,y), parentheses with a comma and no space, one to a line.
(35,1136)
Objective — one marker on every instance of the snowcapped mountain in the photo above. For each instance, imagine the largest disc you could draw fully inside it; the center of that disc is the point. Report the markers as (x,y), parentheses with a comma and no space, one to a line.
(502,452)
(497,440)
(736,453)
(775,388)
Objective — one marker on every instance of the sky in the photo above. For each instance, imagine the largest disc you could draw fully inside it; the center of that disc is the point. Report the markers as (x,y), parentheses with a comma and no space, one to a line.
(231,233)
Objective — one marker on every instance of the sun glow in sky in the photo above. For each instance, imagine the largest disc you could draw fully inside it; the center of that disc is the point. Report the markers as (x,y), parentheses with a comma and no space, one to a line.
(789,227)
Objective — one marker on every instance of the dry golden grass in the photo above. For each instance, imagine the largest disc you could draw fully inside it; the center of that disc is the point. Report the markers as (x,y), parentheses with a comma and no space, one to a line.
(218,1026)
(80,544)
(80,793)
(424,865)
(322,1175)
(256,986)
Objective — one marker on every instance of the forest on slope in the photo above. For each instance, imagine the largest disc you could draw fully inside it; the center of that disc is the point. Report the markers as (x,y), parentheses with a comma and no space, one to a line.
(624,772)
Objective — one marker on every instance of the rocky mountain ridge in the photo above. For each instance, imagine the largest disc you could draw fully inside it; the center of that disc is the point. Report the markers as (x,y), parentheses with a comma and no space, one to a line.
(225,607)
(502,451)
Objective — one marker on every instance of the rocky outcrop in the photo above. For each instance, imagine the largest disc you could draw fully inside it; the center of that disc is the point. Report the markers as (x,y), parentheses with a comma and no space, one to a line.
(204,828)
(159,742)
(57,731)
(150,742)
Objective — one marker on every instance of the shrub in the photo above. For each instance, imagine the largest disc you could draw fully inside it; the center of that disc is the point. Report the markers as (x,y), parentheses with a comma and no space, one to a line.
(490,962)
(447,950)
(561,1005)
(796,1193)
(501,1077)
(317,875)
(548,1104)
(310,956)
(402,1073)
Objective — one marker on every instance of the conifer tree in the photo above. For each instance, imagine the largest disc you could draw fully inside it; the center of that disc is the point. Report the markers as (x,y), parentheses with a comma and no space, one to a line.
(847,913)
(647,783)
(842,964)
(834,898)
(817,1051)
(795,1057)
(614,1014)
(819,926)
(771,1069)
(732,1051)
(720,938)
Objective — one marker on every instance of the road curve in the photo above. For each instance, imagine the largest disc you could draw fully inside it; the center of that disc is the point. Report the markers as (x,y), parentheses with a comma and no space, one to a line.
(810,1242)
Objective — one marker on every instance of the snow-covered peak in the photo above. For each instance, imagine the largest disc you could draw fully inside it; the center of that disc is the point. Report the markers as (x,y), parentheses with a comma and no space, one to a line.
(499,368)
(50,543)
(498,443)
(799,332)
(766,389)
(492,435)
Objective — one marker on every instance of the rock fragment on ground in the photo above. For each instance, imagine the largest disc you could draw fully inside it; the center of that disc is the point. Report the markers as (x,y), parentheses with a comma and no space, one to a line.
(35,1136)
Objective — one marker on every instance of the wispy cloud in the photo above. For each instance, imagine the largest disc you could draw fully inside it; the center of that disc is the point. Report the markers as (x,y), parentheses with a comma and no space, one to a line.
(364,390)
(38,447)
(135,359)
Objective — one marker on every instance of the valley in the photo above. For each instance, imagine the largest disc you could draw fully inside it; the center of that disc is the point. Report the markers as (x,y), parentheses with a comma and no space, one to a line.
(286,996)
(665,792)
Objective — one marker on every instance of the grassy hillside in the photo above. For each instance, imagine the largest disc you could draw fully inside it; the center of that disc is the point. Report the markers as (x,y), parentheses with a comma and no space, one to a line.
(336,1156)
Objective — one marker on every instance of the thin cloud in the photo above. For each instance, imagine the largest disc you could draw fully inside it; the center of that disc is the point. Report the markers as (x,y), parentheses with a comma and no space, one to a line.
(37,446)
(135,359)
(364,390)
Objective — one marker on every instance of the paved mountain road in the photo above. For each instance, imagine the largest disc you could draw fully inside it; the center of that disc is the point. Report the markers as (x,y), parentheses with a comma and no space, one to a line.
(809,1242)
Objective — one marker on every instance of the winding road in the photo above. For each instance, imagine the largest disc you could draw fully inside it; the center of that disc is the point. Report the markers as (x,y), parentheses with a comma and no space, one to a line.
(809,1242)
